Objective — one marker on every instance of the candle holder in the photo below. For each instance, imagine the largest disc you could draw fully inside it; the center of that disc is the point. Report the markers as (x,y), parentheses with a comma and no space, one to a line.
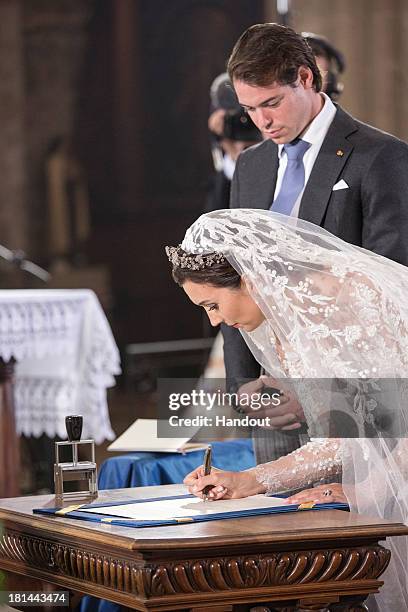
(75,470)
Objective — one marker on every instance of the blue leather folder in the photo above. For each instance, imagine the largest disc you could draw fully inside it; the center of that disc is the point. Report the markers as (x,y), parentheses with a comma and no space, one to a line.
(79,512)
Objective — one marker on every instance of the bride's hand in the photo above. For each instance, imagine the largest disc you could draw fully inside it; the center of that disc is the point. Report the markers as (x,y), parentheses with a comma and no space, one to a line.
(323,494)
(225,485)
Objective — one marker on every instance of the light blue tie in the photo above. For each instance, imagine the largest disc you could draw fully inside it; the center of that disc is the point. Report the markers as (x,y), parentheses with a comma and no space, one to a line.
(294,177)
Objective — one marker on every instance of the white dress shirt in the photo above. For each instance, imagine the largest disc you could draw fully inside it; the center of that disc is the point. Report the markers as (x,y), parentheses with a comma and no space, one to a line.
(314,134)
(228,166)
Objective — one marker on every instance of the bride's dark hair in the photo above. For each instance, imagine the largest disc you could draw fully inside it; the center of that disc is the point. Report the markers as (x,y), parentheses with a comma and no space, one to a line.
(215,273)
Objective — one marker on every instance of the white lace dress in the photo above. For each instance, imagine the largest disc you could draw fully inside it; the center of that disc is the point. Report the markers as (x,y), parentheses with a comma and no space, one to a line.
(340,314)
(318,460)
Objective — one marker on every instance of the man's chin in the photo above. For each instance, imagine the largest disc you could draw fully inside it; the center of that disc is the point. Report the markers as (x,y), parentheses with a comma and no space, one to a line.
(278,137)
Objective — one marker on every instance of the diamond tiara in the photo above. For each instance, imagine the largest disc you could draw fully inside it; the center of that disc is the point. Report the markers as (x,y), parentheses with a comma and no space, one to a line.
(180,259)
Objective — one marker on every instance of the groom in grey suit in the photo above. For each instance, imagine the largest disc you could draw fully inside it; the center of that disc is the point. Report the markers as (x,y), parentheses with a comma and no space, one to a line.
(346,176)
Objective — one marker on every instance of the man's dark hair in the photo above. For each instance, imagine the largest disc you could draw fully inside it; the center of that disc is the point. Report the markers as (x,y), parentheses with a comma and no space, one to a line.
(269,53)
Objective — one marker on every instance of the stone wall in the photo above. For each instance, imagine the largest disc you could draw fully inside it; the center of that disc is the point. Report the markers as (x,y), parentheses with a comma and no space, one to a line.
(13,222)
(373,35)
(42,45)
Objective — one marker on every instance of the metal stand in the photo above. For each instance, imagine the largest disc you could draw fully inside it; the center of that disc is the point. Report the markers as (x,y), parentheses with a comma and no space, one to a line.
(75,471)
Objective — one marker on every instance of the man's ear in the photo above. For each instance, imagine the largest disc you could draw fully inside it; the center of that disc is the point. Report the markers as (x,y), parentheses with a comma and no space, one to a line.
(306,77)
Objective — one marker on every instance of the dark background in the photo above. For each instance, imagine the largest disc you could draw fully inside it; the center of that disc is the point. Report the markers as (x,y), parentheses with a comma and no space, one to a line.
(129,81)
(149,133)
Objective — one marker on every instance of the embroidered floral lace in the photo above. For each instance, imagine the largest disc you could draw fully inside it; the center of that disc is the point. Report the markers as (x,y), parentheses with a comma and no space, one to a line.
(332,312)
(317,461)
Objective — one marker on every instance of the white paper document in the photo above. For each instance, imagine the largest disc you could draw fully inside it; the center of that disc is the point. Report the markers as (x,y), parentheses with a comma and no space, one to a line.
(142,436)
(182,508)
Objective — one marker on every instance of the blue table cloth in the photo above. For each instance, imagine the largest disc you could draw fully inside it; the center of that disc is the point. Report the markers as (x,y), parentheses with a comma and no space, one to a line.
(144,469)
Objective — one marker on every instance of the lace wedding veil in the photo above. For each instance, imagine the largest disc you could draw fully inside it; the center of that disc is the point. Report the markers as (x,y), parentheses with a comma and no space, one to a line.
(339,315)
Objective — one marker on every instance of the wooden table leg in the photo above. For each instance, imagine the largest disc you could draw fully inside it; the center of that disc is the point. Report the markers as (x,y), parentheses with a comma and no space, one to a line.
(9,444)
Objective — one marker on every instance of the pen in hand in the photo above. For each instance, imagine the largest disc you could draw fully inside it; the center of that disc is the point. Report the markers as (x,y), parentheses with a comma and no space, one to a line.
(207,470)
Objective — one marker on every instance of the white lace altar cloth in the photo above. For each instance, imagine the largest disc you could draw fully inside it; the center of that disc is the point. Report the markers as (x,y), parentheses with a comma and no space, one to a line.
(66,359)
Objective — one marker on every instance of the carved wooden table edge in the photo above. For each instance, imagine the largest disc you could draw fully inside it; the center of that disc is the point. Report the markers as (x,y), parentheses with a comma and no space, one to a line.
(181,576)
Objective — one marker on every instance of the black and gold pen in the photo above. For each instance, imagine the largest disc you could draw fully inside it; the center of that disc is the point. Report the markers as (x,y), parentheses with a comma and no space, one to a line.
(207,470)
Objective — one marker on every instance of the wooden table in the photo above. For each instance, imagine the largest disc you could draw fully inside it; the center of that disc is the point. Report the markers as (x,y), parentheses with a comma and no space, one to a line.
(307,560)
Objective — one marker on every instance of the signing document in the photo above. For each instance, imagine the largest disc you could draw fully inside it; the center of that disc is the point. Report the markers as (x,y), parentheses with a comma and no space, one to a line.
(185,507)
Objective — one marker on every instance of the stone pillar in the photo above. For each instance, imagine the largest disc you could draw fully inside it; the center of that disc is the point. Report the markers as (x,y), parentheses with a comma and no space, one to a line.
(13,225)
(372,34)
(127,113)
(55,38)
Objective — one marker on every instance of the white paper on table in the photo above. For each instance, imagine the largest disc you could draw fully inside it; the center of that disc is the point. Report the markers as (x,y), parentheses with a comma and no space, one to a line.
(182,508)
(142,436)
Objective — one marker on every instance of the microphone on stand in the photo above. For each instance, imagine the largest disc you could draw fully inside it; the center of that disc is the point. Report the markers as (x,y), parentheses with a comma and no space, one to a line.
(17,258)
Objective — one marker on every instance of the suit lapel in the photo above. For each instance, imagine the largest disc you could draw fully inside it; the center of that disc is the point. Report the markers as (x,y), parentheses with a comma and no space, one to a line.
(266,175)
(329,163)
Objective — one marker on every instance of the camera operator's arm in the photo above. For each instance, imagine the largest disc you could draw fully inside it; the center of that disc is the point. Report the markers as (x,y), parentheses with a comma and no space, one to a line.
(216,122)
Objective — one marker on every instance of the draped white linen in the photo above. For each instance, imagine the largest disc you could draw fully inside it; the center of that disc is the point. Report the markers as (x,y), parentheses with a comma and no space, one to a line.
(66,359)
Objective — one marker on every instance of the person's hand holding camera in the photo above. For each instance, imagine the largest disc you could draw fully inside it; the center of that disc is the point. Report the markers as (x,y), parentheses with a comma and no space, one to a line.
(233,135)
(216,122)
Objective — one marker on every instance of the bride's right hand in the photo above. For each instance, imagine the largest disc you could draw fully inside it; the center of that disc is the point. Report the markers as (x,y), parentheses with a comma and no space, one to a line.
(225,485)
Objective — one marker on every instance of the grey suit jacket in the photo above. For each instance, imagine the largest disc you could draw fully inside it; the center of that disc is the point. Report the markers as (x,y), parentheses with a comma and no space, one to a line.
(372,212)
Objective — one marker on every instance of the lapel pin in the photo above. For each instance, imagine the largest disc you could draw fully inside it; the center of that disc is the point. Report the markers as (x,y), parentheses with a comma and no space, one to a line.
(339,153)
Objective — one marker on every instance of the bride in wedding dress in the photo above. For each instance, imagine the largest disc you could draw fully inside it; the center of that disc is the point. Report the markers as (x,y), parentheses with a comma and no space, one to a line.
(331,321)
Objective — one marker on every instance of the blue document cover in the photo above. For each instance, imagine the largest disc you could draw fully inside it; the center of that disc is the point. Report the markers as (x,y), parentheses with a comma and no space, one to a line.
(80,512)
